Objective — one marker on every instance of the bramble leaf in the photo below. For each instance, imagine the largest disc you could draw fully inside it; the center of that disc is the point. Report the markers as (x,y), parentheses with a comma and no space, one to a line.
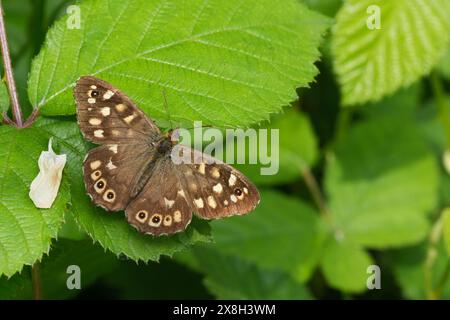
(25,231)
(227,63)
(372,63)
(373,176)
(345,265)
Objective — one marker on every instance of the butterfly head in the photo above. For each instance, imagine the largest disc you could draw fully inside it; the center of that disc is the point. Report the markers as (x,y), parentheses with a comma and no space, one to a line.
(173,135)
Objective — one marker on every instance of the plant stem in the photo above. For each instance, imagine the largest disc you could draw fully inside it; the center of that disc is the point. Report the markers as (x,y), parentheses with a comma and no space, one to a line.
(432,253)
(16,111)
(442,282)
(316,193)
(36,281)
(444,115)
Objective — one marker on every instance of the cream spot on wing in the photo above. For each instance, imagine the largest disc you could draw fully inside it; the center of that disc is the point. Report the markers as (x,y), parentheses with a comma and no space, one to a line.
(130,118)
(120,107)
(89,109)
(193,187)
(168,203)
(201,168)
(167,221)
(198,203)
(141,216)
(95,121)
(232,180)
(115,132)
(245,190)
(108,94)
(109,195)
(91,100)
(155,220)
(225,202)
(233,198)
(177,216)
(98,133)
(106,111)
(113,148)
(218,188)
(215,172)
(93,87)
(211,202)
(110,165)
(96,174)
(95,164)
(181,193)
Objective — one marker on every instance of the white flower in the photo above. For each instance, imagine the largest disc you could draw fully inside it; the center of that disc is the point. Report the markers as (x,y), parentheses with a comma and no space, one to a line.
(44,188)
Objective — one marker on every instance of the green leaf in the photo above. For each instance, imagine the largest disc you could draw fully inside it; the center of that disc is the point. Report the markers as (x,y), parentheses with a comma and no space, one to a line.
(408,268)
(369,63)
(282,233)
(226,63)
(344,265)
(229,277)
(297,150)
(327,7)
(373,176)
(91,259)
(444,65)
(112,231)
(4,98)
(25,231)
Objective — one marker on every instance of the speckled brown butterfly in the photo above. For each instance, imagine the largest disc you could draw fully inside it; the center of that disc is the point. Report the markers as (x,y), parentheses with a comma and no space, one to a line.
(132,169)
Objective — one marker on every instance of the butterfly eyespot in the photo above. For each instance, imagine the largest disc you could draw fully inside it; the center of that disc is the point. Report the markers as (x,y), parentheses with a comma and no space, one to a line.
(96,174)
(141,216)
(109,195)
(100,185)
(94,93)
(238,192)
(167,221)
(155,220)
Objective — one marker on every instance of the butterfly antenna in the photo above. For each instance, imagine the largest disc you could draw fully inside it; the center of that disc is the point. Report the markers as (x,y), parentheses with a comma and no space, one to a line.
(166,106)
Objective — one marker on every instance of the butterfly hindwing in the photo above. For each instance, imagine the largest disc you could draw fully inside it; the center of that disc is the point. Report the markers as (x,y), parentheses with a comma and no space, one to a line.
(161,207)
(106,115)
(215,189)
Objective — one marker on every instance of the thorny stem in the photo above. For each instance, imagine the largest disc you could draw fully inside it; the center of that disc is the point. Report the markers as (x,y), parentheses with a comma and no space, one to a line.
(16,111)
(36,281)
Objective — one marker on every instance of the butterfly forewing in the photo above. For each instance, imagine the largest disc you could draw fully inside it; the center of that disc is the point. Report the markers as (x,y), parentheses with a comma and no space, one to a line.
(105,115)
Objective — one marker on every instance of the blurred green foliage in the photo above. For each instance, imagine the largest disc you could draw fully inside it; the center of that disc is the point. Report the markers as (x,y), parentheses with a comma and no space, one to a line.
(363,177)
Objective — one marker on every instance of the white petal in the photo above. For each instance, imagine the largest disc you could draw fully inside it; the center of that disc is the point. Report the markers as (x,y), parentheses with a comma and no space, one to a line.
(44,188)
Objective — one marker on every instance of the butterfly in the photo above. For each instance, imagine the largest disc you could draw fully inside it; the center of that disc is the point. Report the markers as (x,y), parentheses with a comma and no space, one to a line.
(133,168)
